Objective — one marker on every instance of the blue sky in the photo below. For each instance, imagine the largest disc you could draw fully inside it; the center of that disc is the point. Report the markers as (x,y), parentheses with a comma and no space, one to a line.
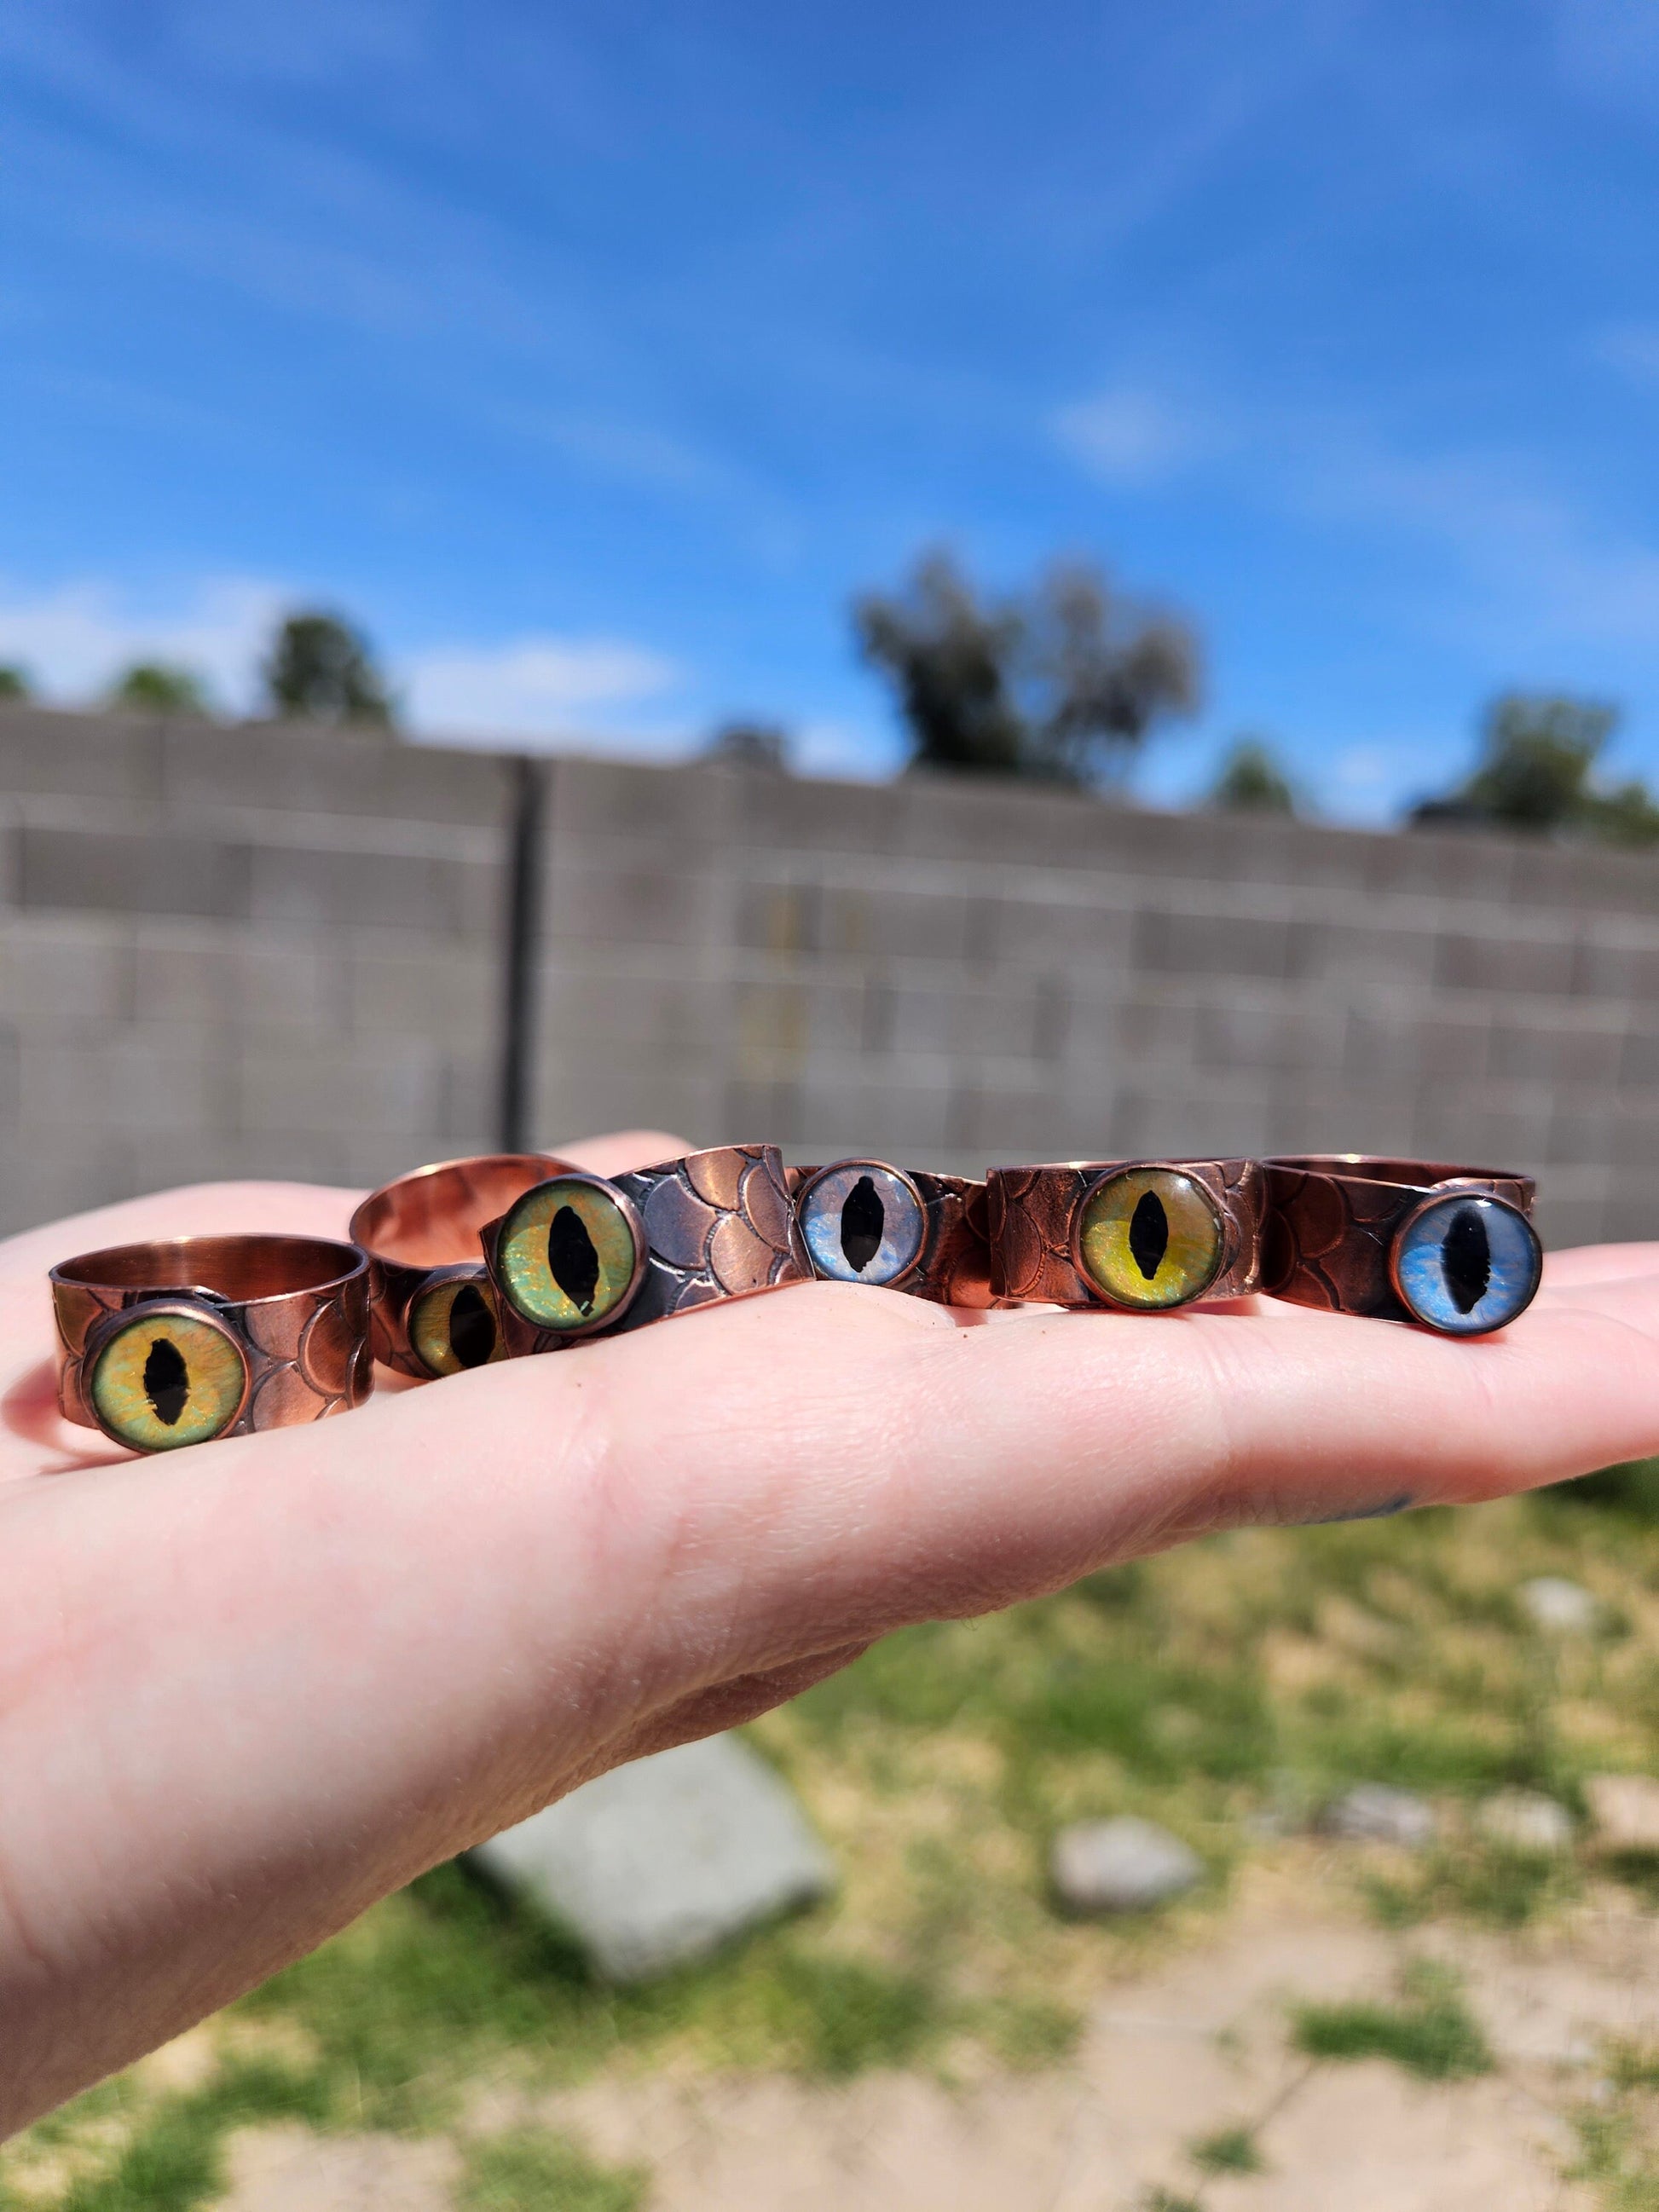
(593,356)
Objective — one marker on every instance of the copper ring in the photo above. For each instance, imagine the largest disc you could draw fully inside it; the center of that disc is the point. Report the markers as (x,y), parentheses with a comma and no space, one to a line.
(173,1343)
(903,1230)
(1135,1236)
(1352,1234)
(580,1254)
(420,1233)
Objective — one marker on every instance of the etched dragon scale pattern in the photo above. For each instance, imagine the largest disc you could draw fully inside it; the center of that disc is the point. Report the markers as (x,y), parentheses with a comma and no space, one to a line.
(1031,1213)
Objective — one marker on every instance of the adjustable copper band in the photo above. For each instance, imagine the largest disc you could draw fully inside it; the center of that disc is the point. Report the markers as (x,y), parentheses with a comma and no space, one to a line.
(1387,1238)
(175,1343)
(1141,1235)
(863,1221)
(582,1254)
(434,1309)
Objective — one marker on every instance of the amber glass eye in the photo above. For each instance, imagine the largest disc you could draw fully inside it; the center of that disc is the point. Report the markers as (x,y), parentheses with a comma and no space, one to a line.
(568,1256)
(455,1325)
(1150,1238)
(161,1380)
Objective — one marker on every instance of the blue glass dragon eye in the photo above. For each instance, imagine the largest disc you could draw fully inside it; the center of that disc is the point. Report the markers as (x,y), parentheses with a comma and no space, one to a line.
(861,1223)
(1467,1264)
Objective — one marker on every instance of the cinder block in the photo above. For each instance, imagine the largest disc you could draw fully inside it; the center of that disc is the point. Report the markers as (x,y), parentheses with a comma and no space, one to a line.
(340,1089)
(298,768)
(108,756)
(128,1080)
(450,992)
(1329,1114)
(668,810)
(888,923)
(65,968)
(1041,933)
(772,814)
(1537,966)
(136,872)
(1481,1124)
(637,904)
(1570,1050)
(327,887)
(1443,865)
(1201,1120)
(1177,944)
(1362,953)
(1407,1039)
(1615,970)
(1306,1034)
(233,977)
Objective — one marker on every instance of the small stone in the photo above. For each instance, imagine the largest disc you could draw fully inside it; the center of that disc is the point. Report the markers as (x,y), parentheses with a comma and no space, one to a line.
(1375,1813)
(1623,1811)
(1124,1865)
(662,1861)
(1524,1821)
(1551,1602)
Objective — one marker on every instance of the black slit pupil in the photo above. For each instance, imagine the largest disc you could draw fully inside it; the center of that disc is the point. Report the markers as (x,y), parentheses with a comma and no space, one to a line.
(471,1326)
(863,1225)
(166,1381)
(1466,1258)
(1149,1234)
(571,1259)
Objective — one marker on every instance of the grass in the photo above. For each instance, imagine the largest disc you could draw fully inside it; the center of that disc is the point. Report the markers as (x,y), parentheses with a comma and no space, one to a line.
(1229,2150)
(1430,2032)
(1619,2136)
(529,2173)
(1249,1674)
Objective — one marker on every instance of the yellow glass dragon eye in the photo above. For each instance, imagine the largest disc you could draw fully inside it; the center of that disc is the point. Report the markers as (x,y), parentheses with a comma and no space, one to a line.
(455,1325)
(163,1380)
(568,1257)
(1150,1238)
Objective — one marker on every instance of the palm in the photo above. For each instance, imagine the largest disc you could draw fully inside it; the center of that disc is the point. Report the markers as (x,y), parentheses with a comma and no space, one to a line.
(246,1691)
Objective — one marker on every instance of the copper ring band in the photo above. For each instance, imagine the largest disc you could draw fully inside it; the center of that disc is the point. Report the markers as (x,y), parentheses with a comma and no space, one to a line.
(1336,1222)
(945,1256)
(657,1241)
(1136,1236)
(420,1233)
(277,1329)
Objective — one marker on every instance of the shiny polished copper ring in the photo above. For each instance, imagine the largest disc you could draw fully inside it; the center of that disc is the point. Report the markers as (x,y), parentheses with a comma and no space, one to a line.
(582,1254)
(862,1221)
(435,1309)
(1451,1247)
(171,1344)
(1142,1236)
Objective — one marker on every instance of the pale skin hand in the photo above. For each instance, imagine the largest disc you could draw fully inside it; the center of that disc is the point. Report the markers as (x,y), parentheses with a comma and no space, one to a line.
(247,1688)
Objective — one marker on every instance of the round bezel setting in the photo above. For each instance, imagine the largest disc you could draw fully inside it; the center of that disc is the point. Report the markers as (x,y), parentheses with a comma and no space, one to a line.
(1453,1307)
(118,1391)
(824,1200)
(436,1352)
(1105,1216)
(607,1216)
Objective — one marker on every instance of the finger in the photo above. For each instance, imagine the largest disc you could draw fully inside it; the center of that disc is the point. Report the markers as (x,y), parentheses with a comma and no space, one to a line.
(1598,1263)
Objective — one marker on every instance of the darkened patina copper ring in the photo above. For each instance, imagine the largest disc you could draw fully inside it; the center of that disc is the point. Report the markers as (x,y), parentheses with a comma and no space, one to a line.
(1451,1247)
(581,1255)
(863,1221)
(435,1310)
(1139,1236)
(176,1343)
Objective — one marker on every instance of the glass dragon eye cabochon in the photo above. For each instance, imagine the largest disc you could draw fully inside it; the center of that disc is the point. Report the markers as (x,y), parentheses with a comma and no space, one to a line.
(570,1253)
(861,1223)
(1150,1238)
(454,1325)
(165,1379)
(1466,1263)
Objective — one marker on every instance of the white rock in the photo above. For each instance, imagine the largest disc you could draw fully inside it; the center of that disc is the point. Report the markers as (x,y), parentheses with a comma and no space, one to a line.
(1124,1865)
(1375,1813)
(1623,1811)
(1524,1821)
(662,1861)
(1552,1602)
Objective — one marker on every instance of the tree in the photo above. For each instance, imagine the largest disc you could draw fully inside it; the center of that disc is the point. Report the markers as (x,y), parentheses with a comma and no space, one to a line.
(1537,772)
(1059,686)
(15,682)
(749,744)
(159,687)
(321,670)
(1251,781)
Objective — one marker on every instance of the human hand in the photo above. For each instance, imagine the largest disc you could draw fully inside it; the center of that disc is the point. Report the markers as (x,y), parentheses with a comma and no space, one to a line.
(247,1688)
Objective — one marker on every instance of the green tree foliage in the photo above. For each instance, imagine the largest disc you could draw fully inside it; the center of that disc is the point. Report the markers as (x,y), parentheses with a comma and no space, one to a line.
(1537,772)
(1061,684)
(749,744)
(14,682)
(1251,781)
(158,687)
(321,670)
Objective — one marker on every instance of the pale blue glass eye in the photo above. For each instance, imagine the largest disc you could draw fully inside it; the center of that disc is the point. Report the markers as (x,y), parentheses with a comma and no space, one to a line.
(1468,1264)
(861,1223)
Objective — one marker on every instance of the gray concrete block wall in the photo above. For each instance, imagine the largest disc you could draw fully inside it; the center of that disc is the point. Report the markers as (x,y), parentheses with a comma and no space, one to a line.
(276,951)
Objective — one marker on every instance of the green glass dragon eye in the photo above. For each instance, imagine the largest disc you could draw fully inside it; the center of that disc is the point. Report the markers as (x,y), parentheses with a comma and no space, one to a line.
(1150,1238)
(568,1256)
(455,1325)
(163,1380)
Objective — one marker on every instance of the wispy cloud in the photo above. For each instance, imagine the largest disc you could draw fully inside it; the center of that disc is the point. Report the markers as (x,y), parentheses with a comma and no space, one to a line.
(1131,435)
(547,688)
(74,640)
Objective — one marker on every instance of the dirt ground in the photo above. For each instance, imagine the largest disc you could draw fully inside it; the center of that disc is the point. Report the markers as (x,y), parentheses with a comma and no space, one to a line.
(1196,2048)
